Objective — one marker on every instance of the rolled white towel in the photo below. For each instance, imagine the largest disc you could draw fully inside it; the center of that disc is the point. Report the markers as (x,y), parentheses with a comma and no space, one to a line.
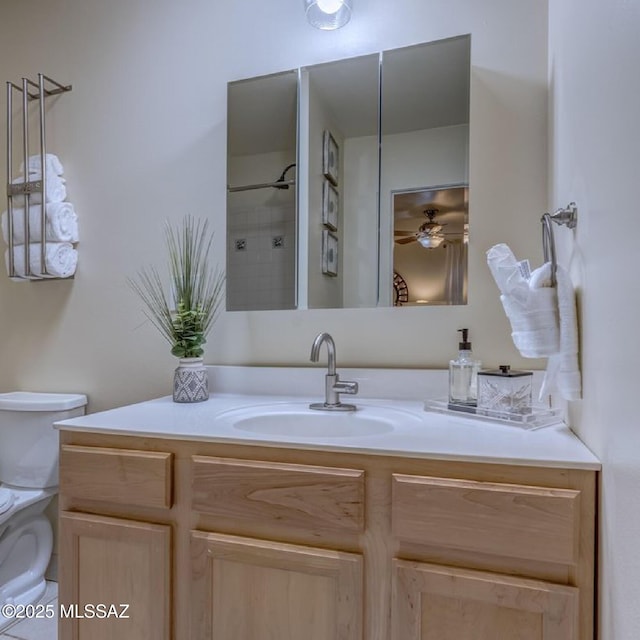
(61,223)
(61,259)
(534,327)
(56,190)
(530,303)
(51,162)
(507,273)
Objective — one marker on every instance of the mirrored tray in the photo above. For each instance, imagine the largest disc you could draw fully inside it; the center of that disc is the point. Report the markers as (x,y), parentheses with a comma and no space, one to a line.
(539,416)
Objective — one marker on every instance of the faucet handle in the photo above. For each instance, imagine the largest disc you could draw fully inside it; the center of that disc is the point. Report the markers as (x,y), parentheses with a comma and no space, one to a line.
(345,386)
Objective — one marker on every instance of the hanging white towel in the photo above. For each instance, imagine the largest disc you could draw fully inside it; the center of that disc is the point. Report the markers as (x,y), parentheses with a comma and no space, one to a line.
(51,162)
(543,319)
(61,223)
(563,369)
(61,259)
(56,190)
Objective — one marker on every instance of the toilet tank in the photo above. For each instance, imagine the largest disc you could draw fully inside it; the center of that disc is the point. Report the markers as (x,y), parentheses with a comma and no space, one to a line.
(28,441)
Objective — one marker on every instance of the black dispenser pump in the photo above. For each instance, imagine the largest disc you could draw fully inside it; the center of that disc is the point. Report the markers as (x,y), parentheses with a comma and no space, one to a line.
(465,345)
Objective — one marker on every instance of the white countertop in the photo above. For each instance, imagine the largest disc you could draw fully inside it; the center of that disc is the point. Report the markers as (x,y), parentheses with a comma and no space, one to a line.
(416,433)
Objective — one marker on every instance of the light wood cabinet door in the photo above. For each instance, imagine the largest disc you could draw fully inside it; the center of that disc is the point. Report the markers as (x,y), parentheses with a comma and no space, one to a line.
(246,589)
(114,561)
(432,602)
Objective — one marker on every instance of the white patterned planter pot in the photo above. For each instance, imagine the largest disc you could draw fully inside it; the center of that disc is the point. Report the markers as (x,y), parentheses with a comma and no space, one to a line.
(190,381)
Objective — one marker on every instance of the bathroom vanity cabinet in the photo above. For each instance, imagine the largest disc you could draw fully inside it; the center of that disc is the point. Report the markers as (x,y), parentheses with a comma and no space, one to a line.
(245,542)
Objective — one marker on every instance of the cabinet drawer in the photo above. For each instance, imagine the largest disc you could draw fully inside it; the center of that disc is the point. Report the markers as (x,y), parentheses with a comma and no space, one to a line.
(123,476)
(535,523)
(287,495)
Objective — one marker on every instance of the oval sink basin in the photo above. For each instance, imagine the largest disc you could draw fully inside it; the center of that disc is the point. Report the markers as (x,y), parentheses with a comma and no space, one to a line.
(297,420)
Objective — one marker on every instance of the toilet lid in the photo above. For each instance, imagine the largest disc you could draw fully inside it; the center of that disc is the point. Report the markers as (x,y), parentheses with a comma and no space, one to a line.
(6,499)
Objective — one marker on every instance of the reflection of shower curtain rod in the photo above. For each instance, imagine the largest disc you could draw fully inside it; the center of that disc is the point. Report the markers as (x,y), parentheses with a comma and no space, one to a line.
(278,184)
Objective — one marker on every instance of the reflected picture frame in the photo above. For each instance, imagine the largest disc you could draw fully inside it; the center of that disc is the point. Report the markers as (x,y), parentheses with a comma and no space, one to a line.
(330,157)
(329,253)
(330,205)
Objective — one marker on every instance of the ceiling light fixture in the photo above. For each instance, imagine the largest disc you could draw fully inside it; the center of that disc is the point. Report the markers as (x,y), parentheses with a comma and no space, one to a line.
(429,234)
(431,241)
(328,14)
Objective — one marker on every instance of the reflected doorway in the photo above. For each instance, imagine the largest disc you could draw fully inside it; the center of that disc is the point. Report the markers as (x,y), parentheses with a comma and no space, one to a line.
(431,233)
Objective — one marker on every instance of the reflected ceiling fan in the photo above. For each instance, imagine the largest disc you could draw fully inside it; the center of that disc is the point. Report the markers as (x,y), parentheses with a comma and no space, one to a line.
(429,234)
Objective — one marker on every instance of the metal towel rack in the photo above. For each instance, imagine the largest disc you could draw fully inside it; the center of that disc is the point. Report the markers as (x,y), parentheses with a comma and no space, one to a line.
(44,88)
(567,217)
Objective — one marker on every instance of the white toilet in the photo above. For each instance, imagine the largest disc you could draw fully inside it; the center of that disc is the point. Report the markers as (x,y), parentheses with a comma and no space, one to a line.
(28,481)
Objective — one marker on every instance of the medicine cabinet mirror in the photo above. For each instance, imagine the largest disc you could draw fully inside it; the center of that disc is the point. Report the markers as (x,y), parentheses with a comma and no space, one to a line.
(348,182)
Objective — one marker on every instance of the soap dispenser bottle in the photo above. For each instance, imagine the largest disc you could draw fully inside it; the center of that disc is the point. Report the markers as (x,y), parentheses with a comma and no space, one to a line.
(463,374)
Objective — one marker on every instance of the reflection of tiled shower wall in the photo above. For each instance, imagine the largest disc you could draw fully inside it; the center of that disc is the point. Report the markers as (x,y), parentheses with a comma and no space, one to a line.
(261,257)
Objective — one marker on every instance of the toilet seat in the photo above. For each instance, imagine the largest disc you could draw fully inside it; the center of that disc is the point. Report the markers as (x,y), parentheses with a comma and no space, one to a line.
(7,498)
(15,499)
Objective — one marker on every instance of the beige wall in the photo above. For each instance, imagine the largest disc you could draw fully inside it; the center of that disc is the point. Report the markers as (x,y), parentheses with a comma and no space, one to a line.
(358,213)
(595,160)
(142,137)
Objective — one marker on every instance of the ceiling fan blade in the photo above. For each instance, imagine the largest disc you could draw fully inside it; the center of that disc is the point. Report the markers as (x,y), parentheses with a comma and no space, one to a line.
(406,240)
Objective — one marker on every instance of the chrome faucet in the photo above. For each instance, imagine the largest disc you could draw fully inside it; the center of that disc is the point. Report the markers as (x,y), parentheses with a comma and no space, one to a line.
(333,385)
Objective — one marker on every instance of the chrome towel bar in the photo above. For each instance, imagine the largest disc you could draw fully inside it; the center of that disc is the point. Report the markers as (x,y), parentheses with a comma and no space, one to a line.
(567,217)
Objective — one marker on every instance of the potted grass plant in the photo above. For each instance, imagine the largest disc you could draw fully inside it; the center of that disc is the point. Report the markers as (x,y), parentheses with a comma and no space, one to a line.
(185,317)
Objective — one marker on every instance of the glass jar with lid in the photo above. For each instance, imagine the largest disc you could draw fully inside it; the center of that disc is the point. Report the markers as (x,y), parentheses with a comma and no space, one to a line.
(504,390)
